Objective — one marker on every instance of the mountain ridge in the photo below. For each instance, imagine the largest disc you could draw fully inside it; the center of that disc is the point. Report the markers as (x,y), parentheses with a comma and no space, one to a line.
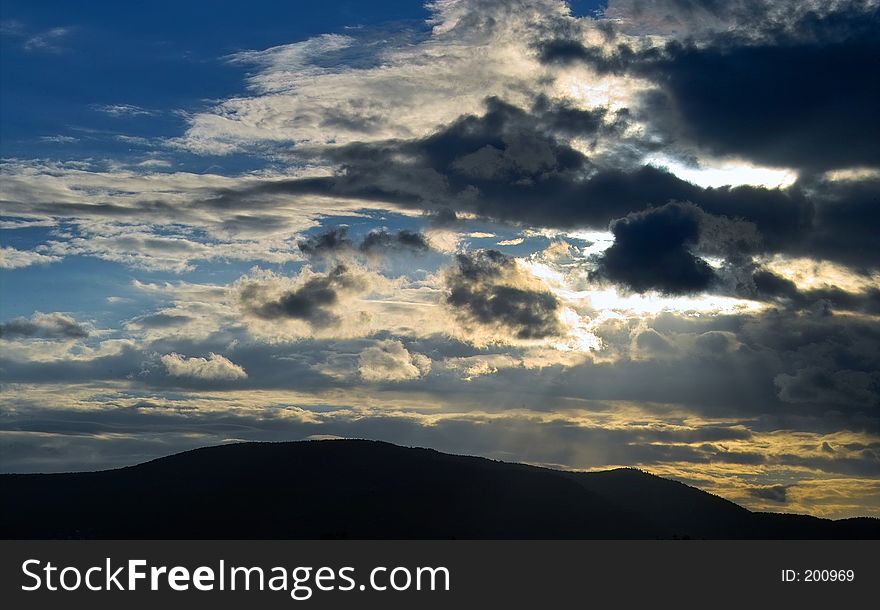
(376,490)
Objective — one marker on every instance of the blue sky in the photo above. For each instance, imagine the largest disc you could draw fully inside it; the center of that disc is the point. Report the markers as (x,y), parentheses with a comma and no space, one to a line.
(525,230)
(61,60)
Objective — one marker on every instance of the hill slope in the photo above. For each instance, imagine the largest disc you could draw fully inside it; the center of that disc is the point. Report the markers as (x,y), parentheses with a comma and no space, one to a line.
(367,489)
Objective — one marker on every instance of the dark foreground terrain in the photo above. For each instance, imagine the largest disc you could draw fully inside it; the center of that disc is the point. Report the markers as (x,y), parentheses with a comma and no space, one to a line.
(366,489)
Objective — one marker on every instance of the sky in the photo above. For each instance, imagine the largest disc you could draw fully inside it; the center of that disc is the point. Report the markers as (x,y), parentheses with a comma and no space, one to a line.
(586,235)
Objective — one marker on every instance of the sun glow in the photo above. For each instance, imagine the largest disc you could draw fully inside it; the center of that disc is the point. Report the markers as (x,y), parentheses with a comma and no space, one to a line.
(583,310)
(810,274)
(580,336)
(654,303)
(728,173)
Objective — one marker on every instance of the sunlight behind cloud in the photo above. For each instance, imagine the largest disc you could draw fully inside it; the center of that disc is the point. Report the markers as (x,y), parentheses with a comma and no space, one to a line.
(612,299)
(810,274)
(727,173)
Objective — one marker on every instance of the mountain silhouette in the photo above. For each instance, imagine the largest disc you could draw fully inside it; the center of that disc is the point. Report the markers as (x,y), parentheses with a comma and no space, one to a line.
(375,490)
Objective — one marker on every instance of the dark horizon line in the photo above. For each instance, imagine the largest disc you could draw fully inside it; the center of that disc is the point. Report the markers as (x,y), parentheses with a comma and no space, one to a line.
(363,440)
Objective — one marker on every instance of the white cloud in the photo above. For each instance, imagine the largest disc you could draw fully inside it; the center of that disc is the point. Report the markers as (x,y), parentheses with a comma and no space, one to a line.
(59,139)
(443,240)
(159,220)
(10,258)
(47,40)
(405,89)
(389,360)
(154,163)
(152,248)
(119,110)
(215,367)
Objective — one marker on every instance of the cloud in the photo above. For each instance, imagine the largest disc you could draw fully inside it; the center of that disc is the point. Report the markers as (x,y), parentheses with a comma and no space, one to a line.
(652,251)
(213,368)
(487,288)
(59,139)
(824,299)
(652,342)
(516,165)
(773,493)
(159,320)
(546,158)
(848,388)
(324,301)
(43,326)
(335,88)
(46,40)
(842,227)
(788,86)
(379,242)
(312,302)
(334,242)
(326,243)
(753,348)
(390,361)
(756,106)
(588,436)
(157,220)
(11,258)
(161,248)
(121,110)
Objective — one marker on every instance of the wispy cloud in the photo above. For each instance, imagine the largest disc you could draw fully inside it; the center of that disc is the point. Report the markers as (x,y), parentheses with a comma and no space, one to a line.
(11,258)
(122,110)
(59,139)
(34,41)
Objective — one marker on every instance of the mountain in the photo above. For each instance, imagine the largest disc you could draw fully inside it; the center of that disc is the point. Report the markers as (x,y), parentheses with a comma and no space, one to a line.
(368,489)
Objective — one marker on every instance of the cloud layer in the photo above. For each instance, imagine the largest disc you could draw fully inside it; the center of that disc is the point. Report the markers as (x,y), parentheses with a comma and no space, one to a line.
(642,237)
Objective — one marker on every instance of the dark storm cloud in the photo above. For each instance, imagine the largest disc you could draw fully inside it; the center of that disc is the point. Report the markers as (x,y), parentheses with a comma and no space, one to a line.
(774,493)
(513,165)
(43,326)
(794,93)
(820,384)
(847,214)
(652,251)
(508,143)
(312,302)
(809,106)
(825,300)
(378,242)
(482,288)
